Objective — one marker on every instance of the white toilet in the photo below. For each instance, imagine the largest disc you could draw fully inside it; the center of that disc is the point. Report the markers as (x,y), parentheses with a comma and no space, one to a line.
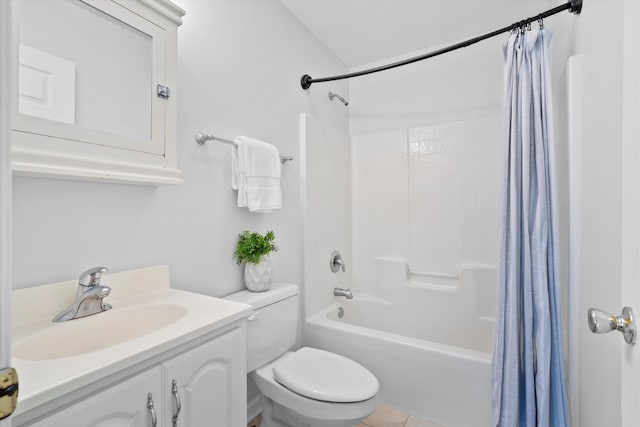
(308,387)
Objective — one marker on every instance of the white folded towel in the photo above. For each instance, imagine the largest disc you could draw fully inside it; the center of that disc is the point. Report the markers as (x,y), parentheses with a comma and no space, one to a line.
(255,174)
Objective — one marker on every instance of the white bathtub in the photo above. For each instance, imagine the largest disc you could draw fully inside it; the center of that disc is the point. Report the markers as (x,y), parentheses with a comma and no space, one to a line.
(442,372)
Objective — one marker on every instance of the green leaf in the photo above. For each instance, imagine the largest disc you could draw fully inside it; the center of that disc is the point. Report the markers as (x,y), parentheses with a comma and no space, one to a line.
(252,247)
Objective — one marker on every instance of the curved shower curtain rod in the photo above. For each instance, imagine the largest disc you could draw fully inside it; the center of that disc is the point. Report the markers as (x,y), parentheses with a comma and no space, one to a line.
(573,6)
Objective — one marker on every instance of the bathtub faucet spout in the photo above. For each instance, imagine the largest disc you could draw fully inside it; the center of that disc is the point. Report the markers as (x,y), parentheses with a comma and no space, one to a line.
(339,292)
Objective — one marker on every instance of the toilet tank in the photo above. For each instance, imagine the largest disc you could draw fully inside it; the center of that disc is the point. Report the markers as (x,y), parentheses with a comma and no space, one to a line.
(271,329)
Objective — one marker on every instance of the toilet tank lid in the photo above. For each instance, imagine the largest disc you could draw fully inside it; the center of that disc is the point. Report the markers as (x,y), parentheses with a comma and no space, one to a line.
(277,292)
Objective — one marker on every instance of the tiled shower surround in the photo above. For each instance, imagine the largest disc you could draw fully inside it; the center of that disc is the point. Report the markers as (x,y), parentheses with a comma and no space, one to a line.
(428,195)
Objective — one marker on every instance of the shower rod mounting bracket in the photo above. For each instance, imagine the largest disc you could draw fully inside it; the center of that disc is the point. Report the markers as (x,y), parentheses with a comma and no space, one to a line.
(573,6)
(576,6)
(305,81)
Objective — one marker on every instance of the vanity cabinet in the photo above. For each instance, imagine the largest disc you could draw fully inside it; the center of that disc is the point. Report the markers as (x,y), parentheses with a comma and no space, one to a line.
(95,90)
(207,383)
(124,404)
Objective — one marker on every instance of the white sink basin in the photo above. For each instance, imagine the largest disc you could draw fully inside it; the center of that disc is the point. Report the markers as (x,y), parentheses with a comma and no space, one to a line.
(97,332)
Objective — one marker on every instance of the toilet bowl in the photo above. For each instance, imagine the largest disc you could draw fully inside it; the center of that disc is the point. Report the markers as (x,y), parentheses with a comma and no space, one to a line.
(316,388)
(304,388)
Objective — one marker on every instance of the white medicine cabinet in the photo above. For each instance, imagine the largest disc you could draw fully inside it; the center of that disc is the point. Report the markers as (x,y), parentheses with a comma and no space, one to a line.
(94,90)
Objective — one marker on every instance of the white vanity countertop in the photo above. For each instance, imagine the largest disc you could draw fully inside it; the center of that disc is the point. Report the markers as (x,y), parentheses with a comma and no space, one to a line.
(136,291)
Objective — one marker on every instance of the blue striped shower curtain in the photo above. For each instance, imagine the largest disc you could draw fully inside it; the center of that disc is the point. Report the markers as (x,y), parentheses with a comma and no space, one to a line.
(528,377)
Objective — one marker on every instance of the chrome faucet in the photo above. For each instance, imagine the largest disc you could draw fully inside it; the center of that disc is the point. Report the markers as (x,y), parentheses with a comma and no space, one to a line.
(89,296)
(335,262)
(339,292)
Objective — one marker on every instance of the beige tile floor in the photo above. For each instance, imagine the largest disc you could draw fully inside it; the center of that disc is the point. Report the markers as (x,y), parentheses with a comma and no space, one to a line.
(384,416)
(255,422)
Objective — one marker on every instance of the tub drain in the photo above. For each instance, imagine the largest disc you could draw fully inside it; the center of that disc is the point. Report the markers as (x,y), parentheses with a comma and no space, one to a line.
(340,312)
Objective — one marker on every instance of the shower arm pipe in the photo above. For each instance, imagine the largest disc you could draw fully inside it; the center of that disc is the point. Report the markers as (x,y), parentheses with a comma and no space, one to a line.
(573,6)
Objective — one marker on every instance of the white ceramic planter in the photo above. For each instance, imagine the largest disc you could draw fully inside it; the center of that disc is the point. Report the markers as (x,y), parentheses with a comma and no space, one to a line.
(257,277)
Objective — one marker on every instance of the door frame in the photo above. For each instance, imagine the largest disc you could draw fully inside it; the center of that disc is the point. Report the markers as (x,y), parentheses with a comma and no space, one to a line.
(5,189)
(630,218)
(575,319)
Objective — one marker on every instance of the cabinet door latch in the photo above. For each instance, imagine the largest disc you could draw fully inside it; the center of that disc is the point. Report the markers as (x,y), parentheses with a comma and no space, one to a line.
(8,392)
(163,91)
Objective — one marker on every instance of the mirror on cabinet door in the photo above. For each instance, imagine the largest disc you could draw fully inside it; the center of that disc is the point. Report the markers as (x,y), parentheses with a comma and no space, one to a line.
(86,100)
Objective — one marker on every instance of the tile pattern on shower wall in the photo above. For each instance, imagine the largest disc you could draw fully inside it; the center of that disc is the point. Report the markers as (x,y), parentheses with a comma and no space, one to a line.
(453,194)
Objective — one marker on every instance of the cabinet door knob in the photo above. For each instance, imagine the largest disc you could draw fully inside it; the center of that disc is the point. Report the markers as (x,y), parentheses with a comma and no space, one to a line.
(176,396)
(152,411)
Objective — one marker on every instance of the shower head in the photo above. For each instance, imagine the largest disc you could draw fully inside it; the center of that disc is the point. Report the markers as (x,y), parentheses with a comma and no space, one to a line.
(335,95)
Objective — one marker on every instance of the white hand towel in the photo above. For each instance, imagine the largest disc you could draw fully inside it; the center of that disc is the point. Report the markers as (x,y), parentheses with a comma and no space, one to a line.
(238,176)
(255,174)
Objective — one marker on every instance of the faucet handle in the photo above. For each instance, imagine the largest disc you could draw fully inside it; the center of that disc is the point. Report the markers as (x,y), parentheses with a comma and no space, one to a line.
(336,263)
(92,276)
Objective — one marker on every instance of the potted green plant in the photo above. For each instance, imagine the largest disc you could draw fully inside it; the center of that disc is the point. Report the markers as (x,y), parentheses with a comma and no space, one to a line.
(254,249)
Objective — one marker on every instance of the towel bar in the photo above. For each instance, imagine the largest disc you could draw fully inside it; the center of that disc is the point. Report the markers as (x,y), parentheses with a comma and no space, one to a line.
(201,138)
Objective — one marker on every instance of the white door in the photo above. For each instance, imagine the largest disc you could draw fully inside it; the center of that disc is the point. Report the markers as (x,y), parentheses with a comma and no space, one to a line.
(5,191)
(604,159)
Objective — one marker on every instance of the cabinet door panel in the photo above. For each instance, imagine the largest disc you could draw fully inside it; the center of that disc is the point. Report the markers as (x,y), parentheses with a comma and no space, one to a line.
(211,382)
(123,405)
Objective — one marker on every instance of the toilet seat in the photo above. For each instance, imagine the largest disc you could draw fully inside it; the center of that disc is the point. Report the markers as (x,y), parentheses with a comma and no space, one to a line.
(316,412)
(325,376)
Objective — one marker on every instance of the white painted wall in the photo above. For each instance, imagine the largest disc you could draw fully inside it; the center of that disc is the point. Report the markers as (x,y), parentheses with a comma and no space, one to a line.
(460,84)
(239,66)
